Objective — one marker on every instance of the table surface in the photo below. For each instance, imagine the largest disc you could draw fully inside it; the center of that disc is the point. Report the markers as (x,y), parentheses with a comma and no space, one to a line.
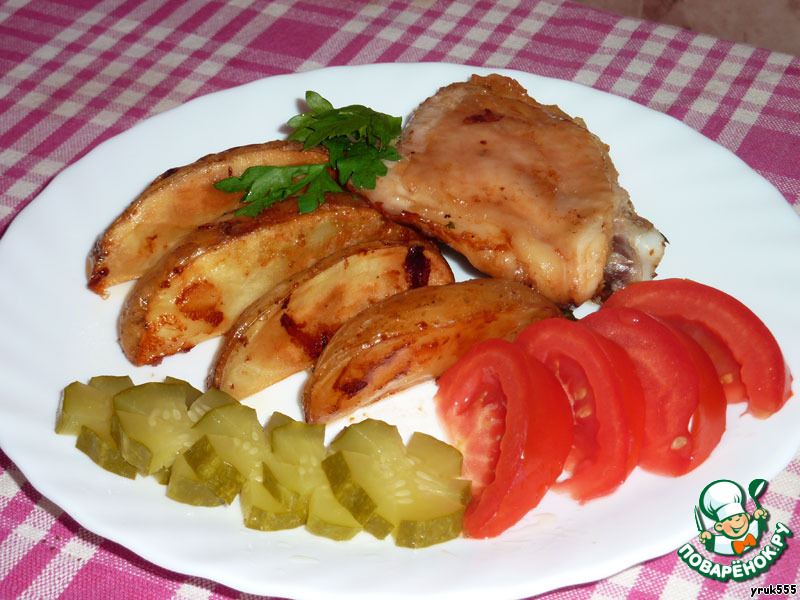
(77,73)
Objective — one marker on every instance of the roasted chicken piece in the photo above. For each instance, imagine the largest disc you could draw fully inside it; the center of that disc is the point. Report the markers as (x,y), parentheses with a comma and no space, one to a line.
(198,289)
(174,204)
(522,190)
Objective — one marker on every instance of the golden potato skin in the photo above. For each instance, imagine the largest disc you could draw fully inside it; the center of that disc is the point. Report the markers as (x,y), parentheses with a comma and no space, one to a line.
(177,202)
(414,336)
(285,330)
(198,289)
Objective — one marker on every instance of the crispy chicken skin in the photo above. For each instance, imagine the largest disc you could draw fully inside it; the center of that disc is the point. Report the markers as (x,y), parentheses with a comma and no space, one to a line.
(523,190)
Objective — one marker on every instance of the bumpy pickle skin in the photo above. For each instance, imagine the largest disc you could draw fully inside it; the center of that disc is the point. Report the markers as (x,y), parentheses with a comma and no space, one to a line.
(357,481)
(104,452)
(260,509)
(85,411)
(230,448)
(298,450)
(220,476)
(388,490)
(163,474)
(423,532)
(186,487)
(328,518)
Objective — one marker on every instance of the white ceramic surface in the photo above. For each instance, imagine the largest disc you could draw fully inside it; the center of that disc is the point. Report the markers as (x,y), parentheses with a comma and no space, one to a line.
(726,226)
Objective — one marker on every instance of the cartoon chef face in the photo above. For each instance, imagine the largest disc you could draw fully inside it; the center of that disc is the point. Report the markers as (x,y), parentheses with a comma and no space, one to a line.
(723,501)
(734,526)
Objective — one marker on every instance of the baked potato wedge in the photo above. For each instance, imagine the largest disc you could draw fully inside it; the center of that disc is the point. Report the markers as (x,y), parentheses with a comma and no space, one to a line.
(414,336)
(177,202)
(198,289)
(285,330)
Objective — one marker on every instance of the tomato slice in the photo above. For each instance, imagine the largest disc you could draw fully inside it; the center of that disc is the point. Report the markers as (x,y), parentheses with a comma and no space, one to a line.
(495,400)
(607,403)
(764,370)
(708,421)
(684,402)
(727,367)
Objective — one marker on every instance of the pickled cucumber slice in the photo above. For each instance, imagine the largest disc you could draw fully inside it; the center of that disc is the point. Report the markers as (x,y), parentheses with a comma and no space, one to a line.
(102,449)
(357,482)
(303,446)
(328,518)
(205,457)
(81,404)
(373,437)
(150,425)
(430,520)
(262,511)
(185,486)
(230,450)
(294,467)
(437,467)
(85,411)
(111,384)
(276,420)
(389,489)
(237,437)
(203,403)
(162,475)
(346,487)
(434,455)
(275,471)
(192,393)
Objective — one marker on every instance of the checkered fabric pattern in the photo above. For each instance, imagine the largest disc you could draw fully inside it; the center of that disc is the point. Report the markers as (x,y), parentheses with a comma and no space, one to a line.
(74,73)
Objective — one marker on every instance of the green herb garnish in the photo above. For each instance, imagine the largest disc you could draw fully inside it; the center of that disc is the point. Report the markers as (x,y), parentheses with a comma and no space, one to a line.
(358,140)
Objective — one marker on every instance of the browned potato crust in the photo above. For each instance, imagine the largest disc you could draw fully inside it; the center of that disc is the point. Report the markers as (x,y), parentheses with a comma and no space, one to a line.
(199,289)
(414,336)
(285,330)
(176,203)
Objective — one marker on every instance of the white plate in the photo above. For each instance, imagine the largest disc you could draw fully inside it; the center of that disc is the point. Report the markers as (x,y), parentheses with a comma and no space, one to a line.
(727,227)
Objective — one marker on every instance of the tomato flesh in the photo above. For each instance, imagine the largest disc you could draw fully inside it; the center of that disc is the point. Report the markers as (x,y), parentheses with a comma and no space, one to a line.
(764,371)
(536,431)
(708,421)
(727,367)
(679,389)
(607,403)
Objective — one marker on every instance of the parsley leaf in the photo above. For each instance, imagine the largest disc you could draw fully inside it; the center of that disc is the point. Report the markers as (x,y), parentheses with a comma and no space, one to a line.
(358,140)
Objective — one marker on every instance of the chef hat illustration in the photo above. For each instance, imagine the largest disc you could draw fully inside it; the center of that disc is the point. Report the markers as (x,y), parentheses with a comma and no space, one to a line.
(722,499)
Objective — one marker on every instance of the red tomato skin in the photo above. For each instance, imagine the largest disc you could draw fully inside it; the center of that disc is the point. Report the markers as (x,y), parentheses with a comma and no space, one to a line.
(607,401)
(708,421)
(764,371)
(669,380)
(537,435)
(632,396)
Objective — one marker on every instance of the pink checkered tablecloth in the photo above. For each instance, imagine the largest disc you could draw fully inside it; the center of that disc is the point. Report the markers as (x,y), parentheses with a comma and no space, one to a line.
(75,73)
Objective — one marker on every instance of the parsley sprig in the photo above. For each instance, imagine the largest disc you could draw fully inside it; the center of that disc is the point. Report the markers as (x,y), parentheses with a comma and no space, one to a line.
(358,140)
